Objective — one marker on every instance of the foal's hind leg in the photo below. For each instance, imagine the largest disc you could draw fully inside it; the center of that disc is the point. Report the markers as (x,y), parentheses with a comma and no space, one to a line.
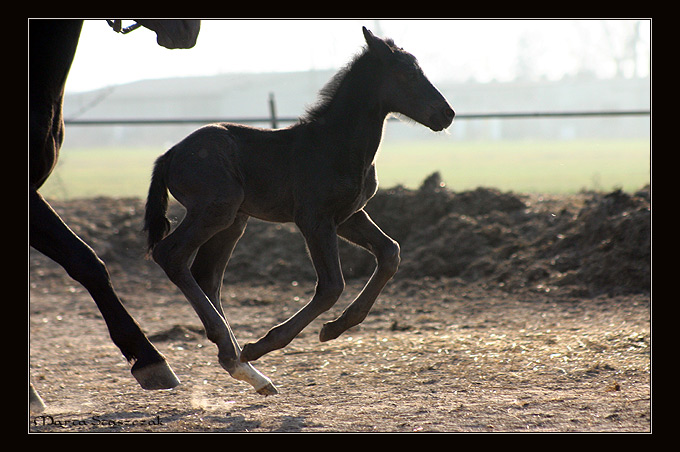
(212,259)
(361,230)
(209,224)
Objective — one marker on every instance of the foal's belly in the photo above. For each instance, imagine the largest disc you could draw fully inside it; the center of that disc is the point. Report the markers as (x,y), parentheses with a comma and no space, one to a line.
(281,198)
(270,206)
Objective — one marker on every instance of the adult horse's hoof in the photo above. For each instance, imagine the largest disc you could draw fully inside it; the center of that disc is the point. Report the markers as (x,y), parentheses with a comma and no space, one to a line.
(157,375)
(36,404)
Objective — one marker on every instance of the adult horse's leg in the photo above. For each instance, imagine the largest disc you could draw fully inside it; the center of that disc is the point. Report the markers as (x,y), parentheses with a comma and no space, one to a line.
(35,402)
(361,230)
(50,236)
(198,236)
(322,242)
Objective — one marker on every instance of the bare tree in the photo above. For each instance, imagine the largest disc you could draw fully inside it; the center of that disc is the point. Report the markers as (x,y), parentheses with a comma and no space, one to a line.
(624,44)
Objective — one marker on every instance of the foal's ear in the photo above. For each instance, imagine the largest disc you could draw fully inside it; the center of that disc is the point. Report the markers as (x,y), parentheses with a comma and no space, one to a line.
(376,44)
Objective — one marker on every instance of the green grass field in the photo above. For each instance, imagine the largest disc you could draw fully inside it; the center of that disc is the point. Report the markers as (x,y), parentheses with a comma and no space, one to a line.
(518,166)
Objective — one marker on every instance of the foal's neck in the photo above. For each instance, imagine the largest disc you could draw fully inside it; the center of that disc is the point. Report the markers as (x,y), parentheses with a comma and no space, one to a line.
(354,116)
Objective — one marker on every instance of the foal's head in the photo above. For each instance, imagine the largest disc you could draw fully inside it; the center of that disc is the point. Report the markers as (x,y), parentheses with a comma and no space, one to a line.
(405,89)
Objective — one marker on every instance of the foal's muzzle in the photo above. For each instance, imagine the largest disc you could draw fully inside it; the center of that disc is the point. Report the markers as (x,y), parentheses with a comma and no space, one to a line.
(442,118)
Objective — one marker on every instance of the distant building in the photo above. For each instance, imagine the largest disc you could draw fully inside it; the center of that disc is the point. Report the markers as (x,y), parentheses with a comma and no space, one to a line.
(238,96)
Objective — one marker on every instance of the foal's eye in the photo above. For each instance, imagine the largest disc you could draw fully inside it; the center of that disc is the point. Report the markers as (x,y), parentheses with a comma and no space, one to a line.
(409,74)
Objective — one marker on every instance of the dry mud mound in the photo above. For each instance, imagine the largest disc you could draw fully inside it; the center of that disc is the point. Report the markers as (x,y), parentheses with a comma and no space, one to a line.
(586,244)
(593,243)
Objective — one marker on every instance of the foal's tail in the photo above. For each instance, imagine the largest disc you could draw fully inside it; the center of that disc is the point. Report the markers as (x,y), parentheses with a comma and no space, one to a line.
(156,223)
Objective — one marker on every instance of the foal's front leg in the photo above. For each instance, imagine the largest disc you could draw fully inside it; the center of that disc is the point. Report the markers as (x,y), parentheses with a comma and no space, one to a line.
(361,230)
(322,242)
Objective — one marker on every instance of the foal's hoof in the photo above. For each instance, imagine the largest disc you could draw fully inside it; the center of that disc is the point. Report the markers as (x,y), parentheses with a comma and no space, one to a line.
(269,389)
(246,372)
(248,353)
(155,376)
(330,331)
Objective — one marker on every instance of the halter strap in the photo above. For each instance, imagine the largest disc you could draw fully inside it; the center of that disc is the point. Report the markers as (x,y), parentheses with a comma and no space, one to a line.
(117,26)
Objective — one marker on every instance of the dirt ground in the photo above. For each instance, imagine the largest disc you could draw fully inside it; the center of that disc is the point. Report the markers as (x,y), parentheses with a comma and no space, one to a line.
(510,313)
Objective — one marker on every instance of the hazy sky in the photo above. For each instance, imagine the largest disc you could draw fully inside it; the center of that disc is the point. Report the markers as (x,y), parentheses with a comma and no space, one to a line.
(447,49)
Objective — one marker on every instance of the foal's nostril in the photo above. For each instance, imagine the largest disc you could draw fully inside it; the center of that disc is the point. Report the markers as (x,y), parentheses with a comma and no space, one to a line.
(441,116)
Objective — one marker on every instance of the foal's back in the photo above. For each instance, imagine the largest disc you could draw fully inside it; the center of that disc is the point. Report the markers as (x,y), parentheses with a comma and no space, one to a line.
(235,163)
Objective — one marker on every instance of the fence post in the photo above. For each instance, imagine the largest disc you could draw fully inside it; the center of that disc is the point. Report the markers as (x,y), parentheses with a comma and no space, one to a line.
(272,110)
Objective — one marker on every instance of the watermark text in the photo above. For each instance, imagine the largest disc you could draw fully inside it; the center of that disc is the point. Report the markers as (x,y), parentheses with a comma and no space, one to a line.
(94,421)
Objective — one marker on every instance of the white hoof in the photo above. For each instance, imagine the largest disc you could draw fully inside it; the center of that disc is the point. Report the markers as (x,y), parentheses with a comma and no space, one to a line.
(246,372)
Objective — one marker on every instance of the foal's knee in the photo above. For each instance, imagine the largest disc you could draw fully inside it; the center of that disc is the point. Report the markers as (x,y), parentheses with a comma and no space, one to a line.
(328,294)
(331,291)
(389,257)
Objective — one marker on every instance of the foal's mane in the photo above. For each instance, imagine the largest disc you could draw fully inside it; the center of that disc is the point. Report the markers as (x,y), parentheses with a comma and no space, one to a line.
(331,88)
